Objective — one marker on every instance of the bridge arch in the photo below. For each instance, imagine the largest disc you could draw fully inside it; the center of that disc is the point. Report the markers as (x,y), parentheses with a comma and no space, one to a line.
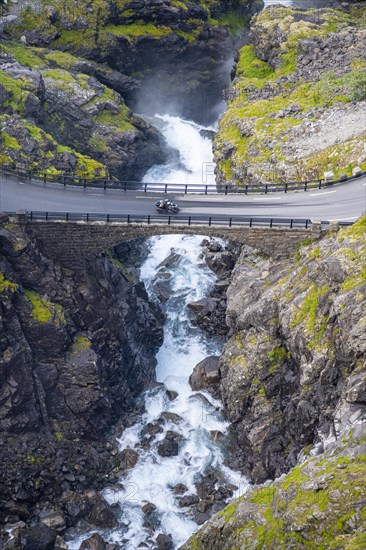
(76,244)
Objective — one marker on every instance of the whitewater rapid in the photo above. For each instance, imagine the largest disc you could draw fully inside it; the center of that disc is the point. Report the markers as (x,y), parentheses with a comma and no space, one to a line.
(195,416)
(195,163)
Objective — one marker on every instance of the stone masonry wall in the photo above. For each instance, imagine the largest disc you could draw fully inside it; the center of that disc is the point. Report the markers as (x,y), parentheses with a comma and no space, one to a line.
(74,243)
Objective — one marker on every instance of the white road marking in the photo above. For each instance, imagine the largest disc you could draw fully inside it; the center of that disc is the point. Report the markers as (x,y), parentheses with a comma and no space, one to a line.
(343,219)
(321,194)
(267,199)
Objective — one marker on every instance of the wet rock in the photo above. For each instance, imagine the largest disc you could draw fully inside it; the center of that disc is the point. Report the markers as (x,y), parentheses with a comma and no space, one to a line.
(60,544)
(168,447)
(151,429)
(128,458)
(200,517)
(54,519)
(171,261)
(188,500)
(148,508)
(180,488)
(95,542)
(172,395)
(170,417)
(39,537)
(206,374)
(164,542)
(102,514)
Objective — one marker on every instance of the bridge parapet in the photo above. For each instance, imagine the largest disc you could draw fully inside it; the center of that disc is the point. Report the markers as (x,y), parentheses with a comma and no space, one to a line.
(76,244)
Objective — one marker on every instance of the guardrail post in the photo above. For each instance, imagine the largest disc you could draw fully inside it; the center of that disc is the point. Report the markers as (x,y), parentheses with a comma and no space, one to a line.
(84,183)
(87,217)
(44,178)
(246,189)
(148,219)
(166,188)
(67,216)
(105,185)
(169,218)
(230,222)
(46,216)
(128,218)
(189,220)
(251,222)
(226,188)
(145,187)
(107,218)
(209,221)
(306,186)
(31,215)
(205,189)
(125,185)
(186,190)
(320,184)
(266,190)
(286,186)
(291,224)
(271,223)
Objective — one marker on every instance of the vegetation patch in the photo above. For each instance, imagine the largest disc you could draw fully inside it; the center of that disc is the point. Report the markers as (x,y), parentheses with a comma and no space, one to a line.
(43,310)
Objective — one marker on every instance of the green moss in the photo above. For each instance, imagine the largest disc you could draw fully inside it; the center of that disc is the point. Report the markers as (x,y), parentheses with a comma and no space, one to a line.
(123,269)
(43,310)
(81,343)
(138,30)
(307,310)
(120,121)
(6,285)
(9,142)
(26,56)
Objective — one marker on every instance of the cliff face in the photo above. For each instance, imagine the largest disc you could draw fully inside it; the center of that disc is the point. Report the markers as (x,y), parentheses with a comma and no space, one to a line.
(297,100)
(76,349)
(293,384)
(68,71)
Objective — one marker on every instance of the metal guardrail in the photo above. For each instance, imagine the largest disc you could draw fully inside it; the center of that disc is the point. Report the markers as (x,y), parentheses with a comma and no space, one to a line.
(223,221)
(201,188)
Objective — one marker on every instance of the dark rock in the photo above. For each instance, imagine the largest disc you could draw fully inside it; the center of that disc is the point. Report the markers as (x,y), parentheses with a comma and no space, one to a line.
(180,488)
(200,517)
(164,542)
(205,374)
(39,537)
(168,447)
(102,514)
(188,500)
(172,395)
(167,416)
(95,542)
(148,508)
(128,458)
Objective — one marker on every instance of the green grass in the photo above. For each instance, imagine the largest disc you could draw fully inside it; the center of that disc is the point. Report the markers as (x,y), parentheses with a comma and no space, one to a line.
(9,142)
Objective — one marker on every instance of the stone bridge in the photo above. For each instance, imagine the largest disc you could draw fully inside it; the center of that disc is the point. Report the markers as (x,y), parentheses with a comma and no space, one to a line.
(76,244)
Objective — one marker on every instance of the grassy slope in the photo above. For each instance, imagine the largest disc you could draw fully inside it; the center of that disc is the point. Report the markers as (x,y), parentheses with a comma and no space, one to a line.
(259,115)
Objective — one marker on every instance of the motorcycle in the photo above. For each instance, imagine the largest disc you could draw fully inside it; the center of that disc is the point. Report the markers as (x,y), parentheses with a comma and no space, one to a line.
(166,206)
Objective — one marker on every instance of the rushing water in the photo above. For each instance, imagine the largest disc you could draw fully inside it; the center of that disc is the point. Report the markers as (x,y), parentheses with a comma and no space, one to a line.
(154,476)
(195,162)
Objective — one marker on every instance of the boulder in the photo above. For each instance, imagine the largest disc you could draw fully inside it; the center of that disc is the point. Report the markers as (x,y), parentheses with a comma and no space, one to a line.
(39,537)
(356,171)
(95,542)
(128,458)
(328,176)
(205,374)
(102,514)
(164,542)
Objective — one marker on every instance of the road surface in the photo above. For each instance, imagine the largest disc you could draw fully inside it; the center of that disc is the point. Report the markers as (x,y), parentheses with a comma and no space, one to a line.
(343,202)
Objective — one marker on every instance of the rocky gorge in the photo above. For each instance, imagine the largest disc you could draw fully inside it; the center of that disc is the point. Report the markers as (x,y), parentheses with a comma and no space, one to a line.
(78,348)
(70,69)
(292,380)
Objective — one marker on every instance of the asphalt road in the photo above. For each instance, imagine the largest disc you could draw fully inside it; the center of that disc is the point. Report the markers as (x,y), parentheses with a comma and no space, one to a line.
(343,202)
